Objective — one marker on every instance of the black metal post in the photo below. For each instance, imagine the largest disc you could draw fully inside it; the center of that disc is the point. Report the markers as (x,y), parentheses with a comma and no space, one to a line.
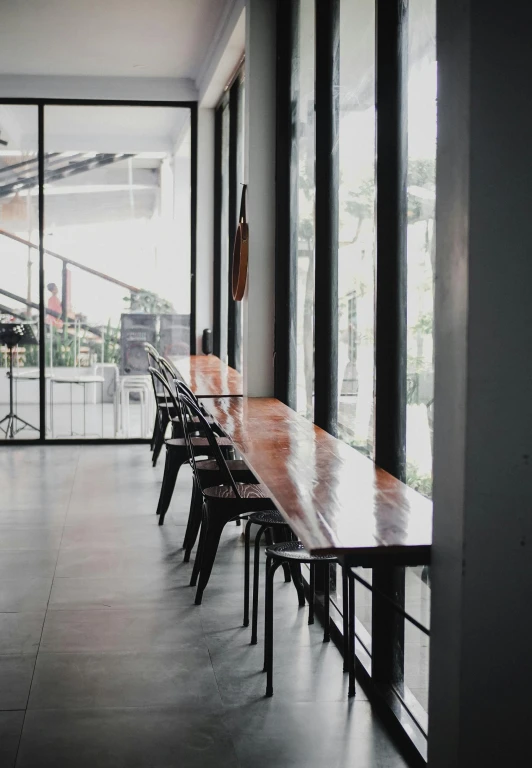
(286,197)
(193,220)
(390,322)
(392,161)
(42,326)
(217,243)
(326,237)
(234,309)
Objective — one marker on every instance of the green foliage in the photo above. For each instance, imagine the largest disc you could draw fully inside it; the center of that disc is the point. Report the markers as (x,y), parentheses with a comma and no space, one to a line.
(362,202)
(421,173)
(111,344)
(306,231)
(420,483)
(424,325)
(146,302)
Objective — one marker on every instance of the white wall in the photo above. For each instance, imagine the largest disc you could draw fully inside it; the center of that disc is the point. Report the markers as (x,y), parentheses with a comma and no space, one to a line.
(259,304)
(481,629)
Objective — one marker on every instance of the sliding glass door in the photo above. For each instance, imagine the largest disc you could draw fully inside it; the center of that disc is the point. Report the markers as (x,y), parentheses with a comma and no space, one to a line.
(116,260)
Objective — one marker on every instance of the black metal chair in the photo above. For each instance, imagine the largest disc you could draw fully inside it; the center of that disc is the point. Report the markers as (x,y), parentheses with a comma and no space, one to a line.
(153,362)
(293,552)
(177,450)
(165,412)
(228,500)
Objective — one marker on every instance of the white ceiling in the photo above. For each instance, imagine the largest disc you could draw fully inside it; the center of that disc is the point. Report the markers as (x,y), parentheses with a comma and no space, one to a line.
(95,129)
(110,38)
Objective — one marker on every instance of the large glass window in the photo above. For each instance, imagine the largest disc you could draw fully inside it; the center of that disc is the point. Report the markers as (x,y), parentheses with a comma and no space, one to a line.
(224,236)
(306,134)
(421,246)
(19,271)
(240,178)
(356,242)
(231,138)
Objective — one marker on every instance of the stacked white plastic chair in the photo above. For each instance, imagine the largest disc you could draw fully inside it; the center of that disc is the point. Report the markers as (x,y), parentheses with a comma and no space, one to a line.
(140,385)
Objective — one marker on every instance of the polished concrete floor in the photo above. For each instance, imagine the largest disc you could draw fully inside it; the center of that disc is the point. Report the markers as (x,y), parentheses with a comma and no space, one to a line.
(106,663)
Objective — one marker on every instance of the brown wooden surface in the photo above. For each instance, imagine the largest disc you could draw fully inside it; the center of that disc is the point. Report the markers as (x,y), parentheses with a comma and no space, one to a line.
(335,499)
(208,376)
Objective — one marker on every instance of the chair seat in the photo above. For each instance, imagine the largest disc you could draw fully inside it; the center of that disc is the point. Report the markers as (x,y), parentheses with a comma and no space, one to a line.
(294,550)
(209,465)
(268,517)
(246,491)
(197,442)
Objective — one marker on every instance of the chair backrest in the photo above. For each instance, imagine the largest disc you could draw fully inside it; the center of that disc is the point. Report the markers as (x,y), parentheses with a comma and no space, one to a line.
(156,379)
(166,370)
(190,408)
(170,371)
(185,390)
(153,355)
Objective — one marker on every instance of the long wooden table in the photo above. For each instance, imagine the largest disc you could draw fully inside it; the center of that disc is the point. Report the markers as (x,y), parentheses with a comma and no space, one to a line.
(207,376)
(334,499)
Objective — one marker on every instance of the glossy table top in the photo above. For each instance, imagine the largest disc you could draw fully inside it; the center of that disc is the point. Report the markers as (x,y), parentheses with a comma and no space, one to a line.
(208,376)
(335,499)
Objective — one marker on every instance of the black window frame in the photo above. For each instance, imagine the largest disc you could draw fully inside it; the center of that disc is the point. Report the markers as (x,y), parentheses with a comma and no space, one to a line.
(41,104)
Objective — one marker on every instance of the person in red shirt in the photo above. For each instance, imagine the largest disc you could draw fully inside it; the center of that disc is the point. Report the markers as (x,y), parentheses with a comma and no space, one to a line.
(55,305)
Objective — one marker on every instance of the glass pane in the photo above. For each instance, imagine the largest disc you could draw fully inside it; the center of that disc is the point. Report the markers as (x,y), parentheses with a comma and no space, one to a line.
(421,246)
(421,241)
(417,644)
(19,274)
(117,266)
(240,152)
(224,234)
(305,223)
(356,252)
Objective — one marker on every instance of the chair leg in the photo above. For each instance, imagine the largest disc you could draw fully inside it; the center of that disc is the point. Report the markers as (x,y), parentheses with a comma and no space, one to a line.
(345,617)
(212,539)
(194,523)
(167,490)
(268,625)
(159,442)
(256,576)
(351,656)
(165,475)
(247,545)
(327,603)
(154,433)
(312,595)
(201,546)
(297,579)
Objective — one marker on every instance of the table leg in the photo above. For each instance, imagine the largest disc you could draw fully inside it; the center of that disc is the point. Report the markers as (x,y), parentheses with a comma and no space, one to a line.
(71,413)
(102,404)
(351,624)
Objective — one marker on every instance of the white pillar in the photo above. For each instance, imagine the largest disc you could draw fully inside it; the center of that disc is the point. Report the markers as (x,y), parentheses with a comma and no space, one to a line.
(205,228)
(260,176)
(481,670)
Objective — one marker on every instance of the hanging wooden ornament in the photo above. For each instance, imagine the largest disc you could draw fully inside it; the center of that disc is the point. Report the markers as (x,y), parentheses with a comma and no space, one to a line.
(240,251)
